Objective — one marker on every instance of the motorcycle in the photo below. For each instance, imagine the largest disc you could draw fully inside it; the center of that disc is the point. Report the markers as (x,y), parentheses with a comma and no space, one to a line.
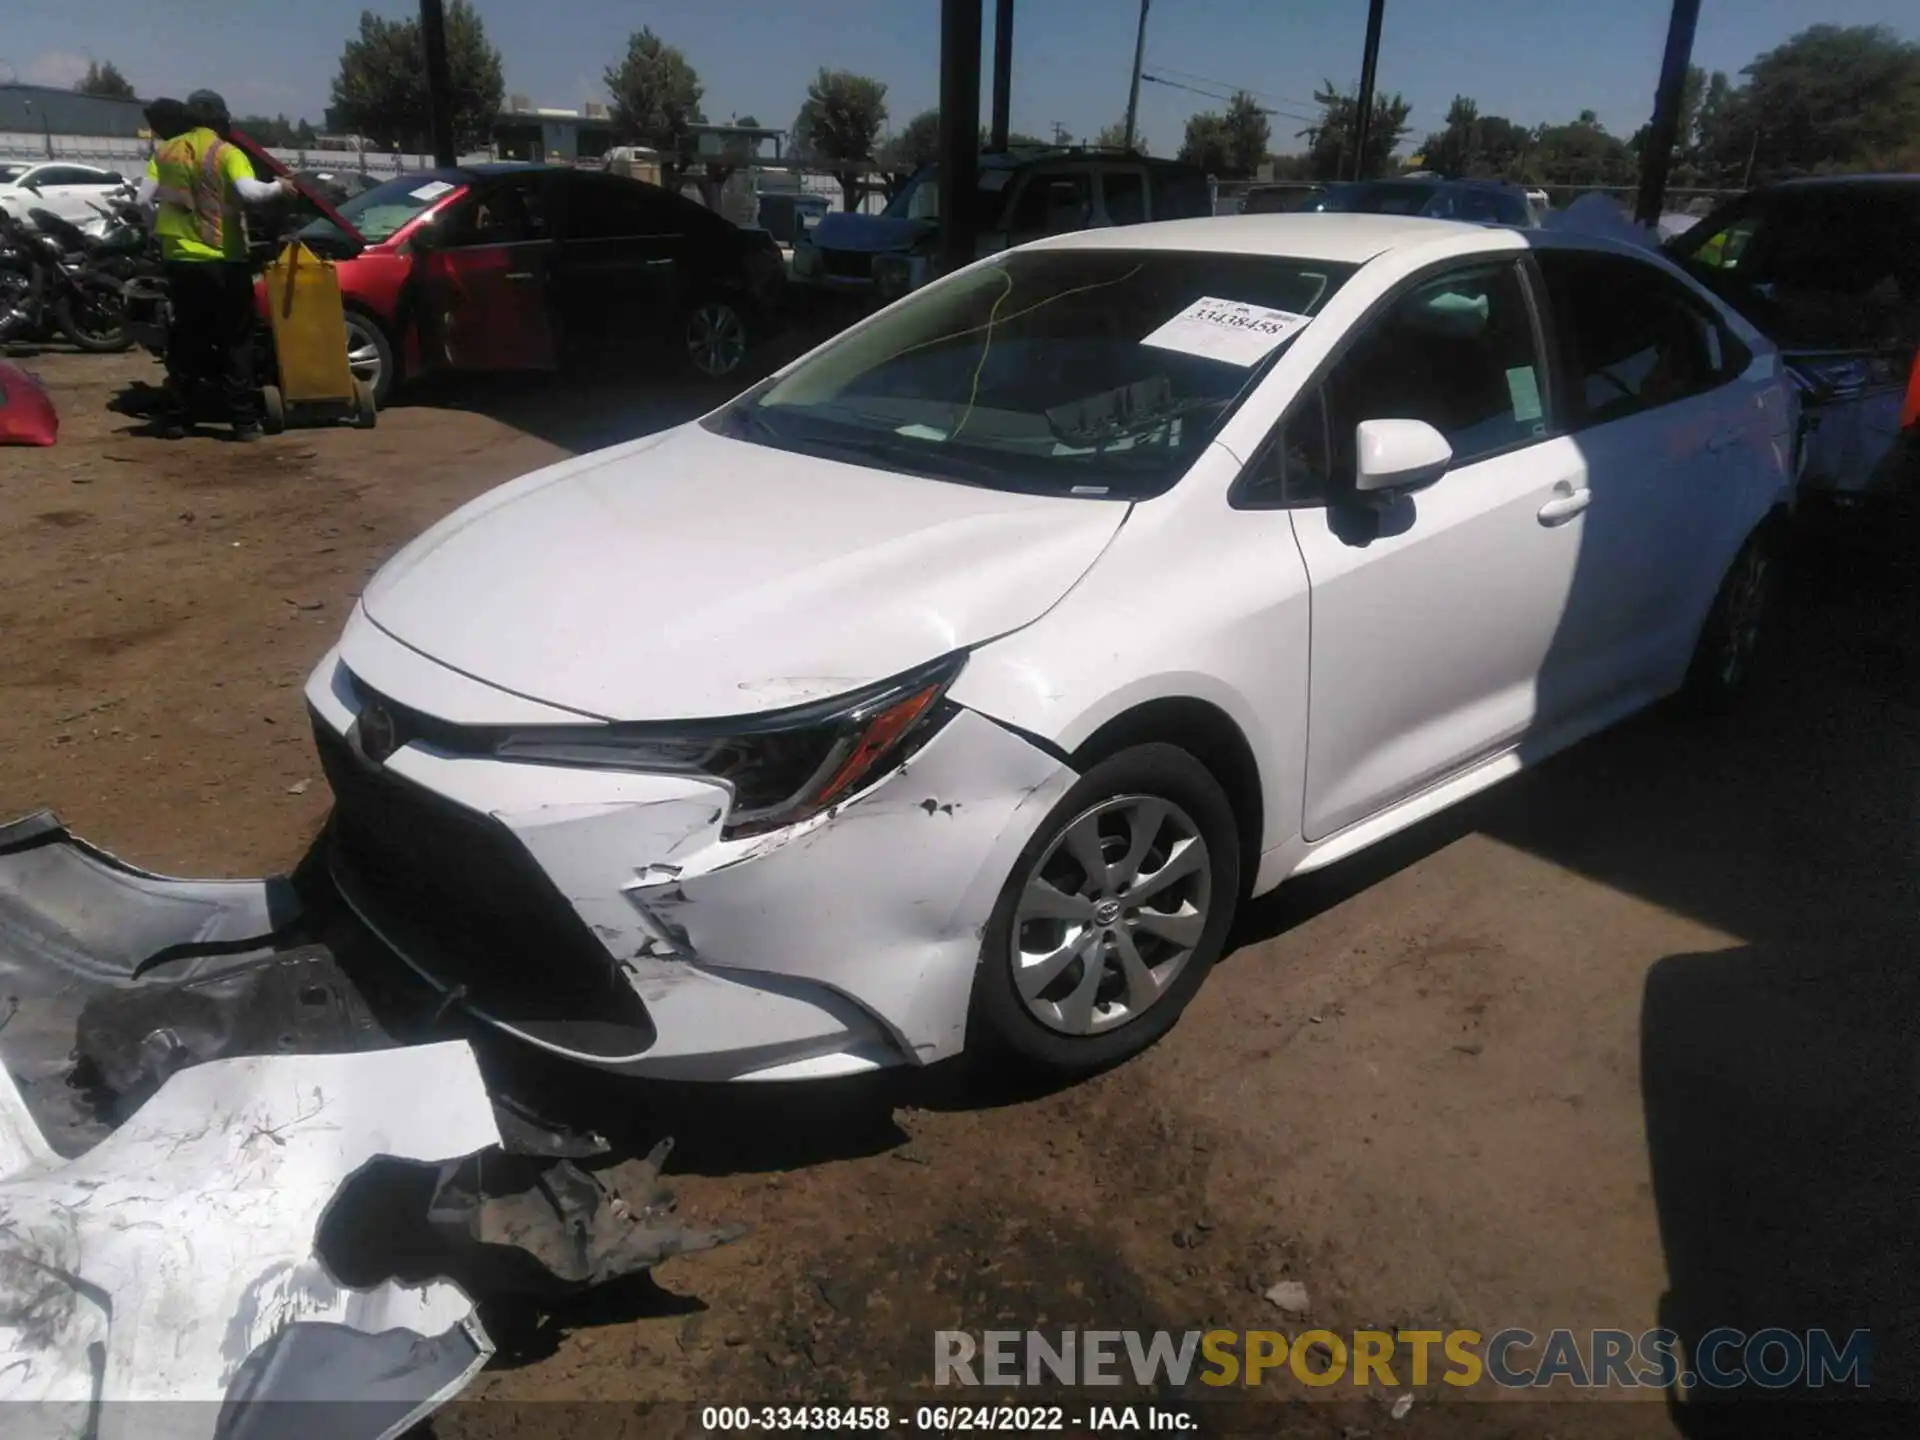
(81,278)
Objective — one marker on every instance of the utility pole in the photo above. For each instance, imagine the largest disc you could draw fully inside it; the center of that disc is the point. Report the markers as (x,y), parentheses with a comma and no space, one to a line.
(1002,73)
(433,39)
(959,160)
(1363,107)
(1139,60)
(1656,156)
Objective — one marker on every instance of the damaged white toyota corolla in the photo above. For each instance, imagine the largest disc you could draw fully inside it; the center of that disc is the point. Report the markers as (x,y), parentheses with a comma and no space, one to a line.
(953,686)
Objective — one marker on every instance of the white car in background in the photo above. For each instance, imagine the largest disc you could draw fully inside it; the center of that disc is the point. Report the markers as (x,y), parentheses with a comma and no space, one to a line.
(76,193)
(951,688)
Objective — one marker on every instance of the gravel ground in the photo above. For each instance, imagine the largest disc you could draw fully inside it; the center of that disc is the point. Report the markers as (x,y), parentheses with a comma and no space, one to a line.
(1628,1041)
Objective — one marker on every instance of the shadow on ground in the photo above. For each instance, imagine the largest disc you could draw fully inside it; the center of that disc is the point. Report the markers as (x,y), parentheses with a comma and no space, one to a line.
(1779,1076)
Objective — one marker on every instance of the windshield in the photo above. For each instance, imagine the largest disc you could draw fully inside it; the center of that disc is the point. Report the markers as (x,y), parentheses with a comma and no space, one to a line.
(1093,372)
(11,173)
(380,213)
(919,199)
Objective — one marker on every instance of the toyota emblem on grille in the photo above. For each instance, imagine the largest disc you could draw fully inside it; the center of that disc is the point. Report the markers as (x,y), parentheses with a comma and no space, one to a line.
(378,738)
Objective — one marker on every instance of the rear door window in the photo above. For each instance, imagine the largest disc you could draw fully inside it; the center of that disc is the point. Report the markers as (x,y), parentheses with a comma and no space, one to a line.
(1630,338)
(607,208)
(513,212)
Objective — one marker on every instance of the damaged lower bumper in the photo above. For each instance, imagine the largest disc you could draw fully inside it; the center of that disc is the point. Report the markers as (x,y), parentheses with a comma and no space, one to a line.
(224,1186)
(602,916)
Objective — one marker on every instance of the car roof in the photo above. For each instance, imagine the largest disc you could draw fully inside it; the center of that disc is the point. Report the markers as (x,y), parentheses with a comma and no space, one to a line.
(1018,158)
(1340,237)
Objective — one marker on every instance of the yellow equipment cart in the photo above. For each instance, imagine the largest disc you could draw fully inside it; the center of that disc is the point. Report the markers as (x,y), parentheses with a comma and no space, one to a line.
(315,385)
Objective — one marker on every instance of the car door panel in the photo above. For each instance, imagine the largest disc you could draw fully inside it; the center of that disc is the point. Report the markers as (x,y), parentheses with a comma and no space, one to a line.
(1440,622)
(1653,396)
(484,288)
(1430,644)
(622,272)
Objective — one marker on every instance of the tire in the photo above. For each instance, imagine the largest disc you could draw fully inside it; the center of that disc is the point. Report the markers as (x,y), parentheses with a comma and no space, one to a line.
(370,355)
(1731,637)
(1073,1021)
(99,327)
(713,338)
(273,409)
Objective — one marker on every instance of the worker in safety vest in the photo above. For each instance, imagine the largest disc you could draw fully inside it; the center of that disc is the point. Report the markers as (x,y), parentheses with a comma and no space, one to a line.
(198,181)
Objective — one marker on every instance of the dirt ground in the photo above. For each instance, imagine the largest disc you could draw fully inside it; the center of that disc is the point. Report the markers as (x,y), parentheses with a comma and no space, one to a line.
(1628,1041)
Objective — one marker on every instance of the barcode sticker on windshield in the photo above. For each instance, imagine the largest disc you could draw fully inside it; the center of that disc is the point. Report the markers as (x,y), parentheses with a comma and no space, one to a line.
(1229,330)
(432,190)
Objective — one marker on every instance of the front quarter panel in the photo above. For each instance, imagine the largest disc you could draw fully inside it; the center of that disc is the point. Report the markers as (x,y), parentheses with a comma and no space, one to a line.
(1193,600)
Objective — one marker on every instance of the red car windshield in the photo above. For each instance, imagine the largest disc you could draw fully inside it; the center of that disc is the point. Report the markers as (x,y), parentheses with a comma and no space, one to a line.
(382,212)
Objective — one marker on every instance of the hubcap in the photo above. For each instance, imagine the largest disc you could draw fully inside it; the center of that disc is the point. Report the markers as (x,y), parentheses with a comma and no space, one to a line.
(716,339)
(1746,606)
(363,353)
(1110,915)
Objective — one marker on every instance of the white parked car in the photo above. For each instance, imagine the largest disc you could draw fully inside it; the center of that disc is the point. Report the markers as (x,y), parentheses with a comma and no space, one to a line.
(76,193)
(952,687)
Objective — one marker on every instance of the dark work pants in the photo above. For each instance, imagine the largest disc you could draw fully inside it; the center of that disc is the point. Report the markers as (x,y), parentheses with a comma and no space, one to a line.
(211,341)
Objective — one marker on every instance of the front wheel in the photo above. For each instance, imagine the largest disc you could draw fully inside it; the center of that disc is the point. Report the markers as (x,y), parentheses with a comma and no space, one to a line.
(93,315)
(1114,914)
(370,356)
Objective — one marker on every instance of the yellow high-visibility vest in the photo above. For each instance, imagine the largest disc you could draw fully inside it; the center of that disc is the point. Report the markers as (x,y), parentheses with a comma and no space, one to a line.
(198,215)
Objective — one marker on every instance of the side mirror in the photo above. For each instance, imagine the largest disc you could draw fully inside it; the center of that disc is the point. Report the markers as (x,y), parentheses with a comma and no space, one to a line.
(1396,456)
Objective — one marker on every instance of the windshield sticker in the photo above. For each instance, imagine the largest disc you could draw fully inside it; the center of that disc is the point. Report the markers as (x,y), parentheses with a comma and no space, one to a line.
(1523,389)
(921,432)
(432,190)
(1229,330)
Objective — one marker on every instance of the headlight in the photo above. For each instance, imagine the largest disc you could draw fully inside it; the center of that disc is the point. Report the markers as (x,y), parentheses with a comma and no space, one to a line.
(782,767)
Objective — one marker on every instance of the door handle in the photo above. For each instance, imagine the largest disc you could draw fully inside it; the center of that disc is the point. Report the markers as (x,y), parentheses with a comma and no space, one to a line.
(1567,502)
(521,275)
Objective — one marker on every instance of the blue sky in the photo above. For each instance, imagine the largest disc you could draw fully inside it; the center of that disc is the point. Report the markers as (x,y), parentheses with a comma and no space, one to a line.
(1544,60)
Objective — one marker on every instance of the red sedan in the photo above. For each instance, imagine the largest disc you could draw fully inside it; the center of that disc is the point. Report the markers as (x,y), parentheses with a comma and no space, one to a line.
(519,267)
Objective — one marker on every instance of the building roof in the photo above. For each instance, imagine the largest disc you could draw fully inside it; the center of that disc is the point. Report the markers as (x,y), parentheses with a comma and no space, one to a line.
(46,109)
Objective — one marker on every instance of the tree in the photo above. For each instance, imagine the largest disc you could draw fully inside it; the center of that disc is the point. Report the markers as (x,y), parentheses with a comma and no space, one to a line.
(1114,136)
(656,98)
(838,122)
(1830,98)
(1474,146)
(304,135)
(917,144)
(1207,143)
(104,78)
(1582,153)
(268,130)
(1330,141)
(1247,133)
(381,90)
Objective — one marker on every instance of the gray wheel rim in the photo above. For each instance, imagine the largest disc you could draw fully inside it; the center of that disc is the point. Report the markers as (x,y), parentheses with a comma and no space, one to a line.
(716,338)
(1110,915)
(363,352)
(1746,608)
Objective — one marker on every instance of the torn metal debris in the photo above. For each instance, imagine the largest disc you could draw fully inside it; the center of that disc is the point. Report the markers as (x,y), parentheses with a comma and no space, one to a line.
(224,1180)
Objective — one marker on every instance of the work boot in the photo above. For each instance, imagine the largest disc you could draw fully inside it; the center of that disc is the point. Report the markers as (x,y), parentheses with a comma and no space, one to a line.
(247,431)
(170,425)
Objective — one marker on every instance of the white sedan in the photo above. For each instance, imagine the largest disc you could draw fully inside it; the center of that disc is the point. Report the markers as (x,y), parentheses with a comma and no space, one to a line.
(951,688)
(76,193)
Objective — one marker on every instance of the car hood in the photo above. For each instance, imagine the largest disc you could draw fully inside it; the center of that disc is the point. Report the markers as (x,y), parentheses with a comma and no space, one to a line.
(689,575)
(868,234)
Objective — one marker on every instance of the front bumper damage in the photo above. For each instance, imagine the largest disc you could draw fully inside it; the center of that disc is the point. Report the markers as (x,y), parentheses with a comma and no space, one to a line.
(601,915)
(224,1186)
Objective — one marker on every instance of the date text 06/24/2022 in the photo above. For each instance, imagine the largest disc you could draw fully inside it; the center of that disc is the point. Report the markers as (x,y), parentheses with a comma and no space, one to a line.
(946,1419)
